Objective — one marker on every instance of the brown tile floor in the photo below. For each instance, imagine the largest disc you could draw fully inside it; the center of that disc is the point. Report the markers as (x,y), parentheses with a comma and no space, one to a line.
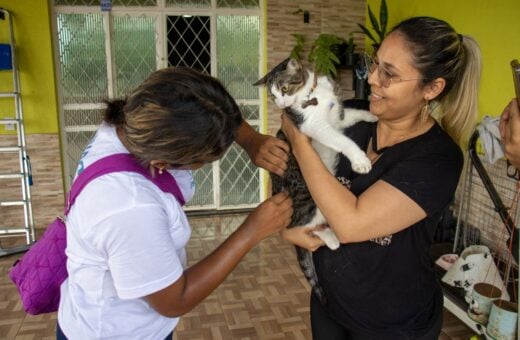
(265,297)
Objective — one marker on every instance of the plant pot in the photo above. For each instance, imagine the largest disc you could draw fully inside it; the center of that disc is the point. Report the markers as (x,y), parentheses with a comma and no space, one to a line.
(339,50)
(482,298)
(346,57)
(350,59)
(502,320)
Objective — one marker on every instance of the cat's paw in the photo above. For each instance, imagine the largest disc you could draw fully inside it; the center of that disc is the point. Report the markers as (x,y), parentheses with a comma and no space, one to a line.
(369,117)
(333,244)
(329,237)
(361,164)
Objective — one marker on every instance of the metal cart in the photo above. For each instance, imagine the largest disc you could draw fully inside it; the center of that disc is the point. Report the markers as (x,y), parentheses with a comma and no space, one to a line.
(487,214)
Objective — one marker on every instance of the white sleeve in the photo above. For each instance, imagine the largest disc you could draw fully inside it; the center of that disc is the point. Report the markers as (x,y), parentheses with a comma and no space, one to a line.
(141,255)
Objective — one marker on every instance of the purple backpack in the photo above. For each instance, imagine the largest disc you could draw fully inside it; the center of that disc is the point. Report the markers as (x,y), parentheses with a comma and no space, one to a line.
(39,274)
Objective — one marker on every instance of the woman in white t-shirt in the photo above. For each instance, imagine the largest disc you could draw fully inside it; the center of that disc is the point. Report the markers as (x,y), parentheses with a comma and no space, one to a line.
(126,238)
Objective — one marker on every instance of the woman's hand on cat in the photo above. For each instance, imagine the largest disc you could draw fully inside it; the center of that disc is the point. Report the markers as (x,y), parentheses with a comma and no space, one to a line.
(271,216)
(267,152)
(294,136)
(303,237)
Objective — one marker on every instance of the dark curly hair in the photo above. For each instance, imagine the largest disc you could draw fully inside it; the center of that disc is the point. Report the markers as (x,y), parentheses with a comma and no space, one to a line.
(177,115)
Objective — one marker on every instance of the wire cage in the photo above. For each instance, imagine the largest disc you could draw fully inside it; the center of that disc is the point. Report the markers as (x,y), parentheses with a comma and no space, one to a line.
(487,212)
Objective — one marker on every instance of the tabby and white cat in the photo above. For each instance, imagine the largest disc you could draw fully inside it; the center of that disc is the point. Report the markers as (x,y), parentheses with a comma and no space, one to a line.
(311,103)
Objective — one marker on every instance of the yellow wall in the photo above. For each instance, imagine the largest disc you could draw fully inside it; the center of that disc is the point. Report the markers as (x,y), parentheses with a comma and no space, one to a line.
(494,24)
(32,29)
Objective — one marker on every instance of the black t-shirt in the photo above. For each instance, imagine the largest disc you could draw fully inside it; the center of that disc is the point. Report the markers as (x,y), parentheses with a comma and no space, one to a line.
(387,286)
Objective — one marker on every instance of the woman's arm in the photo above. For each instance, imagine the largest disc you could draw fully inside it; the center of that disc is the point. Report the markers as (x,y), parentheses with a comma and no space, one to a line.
(201,279)
(265,151)
(510,132)
(381,210)
(303,237)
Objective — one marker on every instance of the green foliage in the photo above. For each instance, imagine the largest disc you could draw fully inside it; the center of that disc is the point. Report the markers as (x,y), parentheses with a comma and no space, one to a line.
(298,47)
(327,51)
(350,45)
(379,27)
(322,55)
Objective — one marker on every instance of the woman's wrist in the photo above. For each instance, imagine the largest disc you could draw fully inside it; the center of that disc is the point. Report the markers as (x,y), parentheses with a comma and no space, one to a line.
(302,237)
(301,147)
(245,135)
(283,234)
(287,234)
(248,233)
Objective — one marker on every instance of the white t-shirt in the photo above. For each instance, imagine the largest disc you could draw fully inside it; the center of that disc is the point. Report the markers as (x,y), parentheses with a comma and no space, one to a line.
(125,240)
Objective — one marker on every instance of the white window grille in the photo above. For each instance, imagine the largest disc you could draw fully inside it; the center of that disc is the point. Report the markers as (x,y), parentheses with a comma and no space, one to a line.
(103,55)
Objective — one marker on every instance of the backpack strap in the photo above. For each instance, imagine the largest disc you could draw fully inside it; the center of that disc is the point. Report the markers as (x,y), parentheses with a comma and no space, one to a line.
(117,163)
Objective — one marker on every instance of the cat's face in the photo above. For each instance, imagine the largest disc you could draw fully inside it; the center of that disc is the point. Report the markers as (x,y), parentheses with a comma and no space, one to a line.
(284,81)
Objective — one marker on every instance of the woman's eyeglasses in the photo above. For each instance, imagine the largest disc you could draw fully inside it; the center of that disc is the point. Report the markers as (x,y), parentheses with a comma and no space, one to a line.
(385,77)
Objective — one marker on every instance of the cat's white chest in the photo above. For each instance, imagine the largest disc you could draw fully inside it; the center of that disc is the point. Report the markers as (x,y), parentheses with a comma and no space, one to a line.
(318,123)
(327,155)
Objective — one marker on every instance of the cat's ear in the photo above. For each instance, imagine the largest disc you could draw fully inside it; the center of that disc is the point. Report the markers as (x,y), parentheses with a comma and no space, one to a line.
(293,66)
(276,70)
(262,81)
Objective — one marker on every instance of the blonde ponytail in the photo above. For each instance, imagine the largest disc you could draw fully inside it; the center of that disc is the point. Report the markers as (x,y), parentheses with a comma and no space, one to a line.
(459,108)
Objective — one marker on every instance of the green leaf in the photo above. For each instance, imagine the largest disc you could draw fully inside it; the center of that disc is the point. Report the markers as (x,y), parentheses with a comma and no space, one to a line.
(333,57)
(299,38)
(322,53)
(373,20)
(325,41)
(295,54)
(367,33)
(351,45)
(383,18)
(333,71)
(298,47)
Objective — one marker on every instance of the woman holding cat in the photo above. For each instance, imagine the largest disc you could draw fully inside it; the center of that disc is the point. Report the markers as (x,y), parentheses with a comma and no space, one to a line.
(126,239)
(380,283)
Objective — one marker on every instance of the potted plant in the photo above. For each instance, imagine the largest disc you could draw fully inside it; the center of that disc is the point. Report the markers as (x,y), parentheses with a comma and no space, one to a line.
(327,52)
(347,54)
(324,54)
(378,27)
(298,46)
